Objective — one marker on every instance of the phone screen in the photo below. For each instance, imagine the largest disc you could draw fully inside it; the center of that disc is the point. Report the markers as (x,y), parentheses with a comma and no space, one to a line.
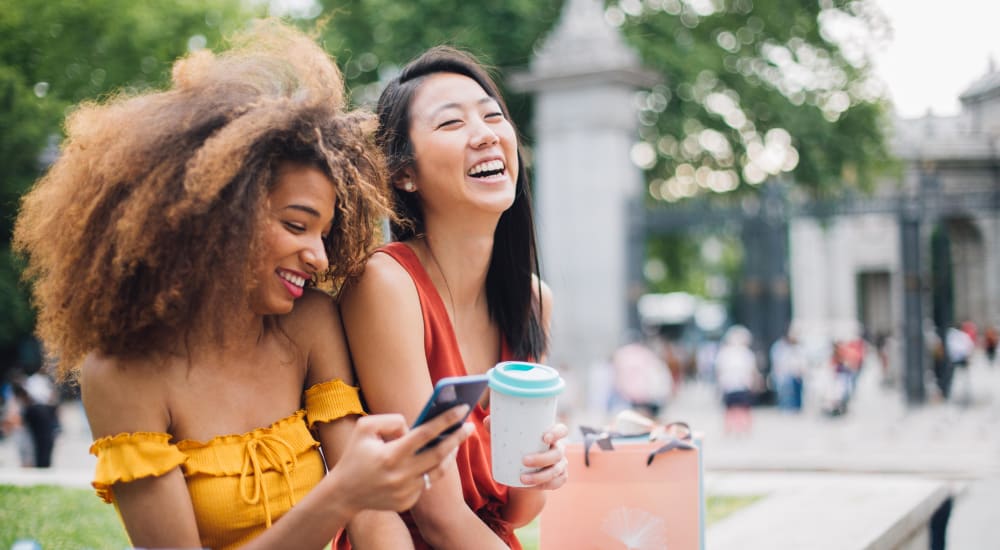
(449,392)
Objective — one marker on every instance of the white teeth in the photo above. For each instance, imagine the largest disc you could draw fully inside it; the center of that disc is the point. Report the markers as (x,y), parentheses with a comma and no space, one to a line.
(488,166)
(294,279)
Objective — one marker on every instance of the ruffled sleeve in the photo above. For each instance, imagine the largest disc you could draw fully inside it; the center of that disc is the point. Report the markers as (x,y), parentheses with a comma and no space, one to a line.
(328,401)
(130,456)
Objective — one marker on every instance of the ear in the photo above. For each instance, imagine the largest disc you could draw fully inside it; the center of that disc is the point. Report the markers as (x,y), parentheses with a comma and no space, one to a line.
(404,180)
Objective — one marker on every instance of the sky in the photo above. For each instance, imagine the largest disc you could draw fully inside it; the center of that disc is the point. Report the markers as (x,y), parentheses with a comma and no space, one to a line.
(939,48)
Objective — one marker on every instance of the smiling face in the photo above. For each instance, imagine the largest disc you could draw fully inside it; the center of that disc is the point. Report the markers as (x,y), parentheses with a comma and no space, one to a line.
(465,149)
(300,213)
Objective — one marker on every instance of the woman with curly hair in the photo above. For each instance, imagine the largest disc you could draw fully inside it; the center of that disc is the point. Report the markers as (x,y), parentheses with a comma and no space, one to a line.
(191,225)
(459,290)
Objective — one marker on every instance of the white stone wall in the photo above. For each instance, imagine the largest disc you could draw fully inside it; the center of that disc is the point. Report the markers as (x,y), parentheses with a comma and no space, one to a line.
(825,260)
(584,177)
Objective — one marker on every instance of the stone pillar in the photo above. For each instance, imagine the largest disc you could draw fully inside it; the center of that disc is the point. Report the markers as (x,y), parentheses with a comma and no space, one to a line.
(586,187)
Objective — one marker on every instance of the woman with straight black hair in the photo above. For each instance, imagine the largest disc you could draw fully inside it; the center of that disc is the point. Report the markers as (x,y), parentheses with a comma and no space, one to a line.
(458,291)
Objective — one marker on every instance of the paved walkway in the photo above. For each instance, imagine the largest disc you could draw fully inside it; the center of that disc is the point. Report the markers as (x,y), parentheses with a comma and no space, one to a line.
(879,435)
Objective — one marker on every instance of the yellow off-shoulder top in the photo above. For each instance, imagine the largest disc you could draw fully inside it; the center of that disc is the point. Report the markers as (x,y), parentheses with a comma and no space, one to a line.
(239,484)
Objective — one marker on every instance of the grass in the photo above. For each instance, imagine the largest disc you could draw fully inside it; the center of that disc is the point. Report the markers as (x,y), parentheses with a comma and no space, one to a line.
(59,519)
(75,519)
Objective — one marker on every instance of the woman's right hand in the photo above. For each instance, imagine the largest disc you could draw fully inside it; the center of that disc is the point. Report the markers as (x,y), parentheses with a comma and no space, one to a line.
(380,468)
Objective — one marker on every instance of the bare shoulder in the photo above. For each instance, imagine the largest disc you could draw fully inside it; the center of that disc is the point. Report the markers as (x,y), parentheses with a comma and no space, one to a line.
(384,286)
(123,395)
(315,326)
(382,274)
(315,309)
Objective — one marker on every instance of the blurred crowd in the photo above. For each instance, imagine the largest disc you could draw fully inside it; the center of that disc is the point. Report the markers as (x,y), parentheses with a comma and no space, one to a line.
(799,371)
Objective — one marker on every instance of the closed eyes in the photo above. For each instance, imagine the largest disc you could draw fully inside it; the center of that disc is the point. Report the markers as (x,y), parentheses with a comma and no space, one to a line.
(294,227)
(451,122)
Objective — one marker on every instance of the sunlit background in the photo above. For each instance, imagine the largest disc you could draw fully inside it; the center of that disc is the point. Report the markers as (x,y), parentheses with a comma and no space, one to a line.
(828,165)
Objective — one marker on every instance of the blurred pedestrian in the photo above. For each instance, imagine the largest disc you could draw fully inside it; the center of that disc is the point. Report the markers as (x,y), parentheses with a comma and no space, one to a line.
(939,362)
(736,376)
(788,368)
(990,339)
(641,378)
(705,360)
(960,346)
(970,328)
(12,424)
(843,362)
(883,343)
(40,416)
(37,397)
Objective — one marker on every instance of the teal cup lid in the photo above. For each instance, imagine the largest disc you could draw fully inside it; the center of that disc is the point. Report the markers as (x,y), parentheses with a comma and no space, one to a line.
(522,379)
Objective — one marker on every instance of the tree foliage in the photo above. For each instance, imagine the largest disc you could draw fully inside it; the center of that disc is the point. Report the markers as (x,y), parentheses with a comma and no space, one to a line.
(56,53)
(758,89)
(767,85)
(751,90)
(372,39)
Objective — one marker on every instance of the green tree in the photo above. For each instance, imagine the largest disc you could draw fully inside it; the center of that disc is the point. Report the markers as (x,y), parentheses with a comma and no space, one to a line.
(757,89)
(56,53)
(751,89)
(372,39)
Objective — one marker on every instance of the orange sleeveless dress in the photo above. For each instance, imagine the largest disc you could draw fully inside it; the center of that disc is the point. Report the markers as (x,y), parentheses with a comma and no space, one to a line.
(483,495)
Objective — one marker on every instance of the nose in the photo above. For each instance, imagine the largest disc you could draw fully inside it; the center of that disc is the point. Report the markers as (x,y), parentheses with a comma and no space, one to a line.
(484,136)
(314,256)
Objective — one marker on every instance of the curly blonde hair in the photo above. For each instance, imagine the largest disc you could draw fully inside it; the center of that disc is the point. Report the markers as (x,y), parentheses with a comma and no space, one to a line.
(155,195)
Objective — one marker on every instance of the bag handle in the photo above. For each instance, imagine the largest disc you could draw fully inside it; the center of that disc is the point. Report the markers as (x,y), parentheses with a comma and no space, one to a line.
(677,435)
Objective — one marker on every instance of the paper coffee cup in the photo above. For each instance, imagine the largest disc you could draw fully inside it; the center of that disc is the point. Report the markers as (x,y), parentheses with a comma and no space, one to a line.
(522,407)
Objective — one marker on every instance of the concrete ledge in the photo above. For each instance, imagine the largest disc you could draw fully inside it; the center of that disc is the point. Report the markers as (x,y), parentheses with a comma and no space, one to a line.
(827,511)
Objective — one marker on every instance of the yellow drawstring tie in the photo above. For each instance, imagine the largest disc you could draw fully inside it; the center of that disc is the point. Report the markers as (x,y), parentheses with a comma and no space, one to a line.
(269,450)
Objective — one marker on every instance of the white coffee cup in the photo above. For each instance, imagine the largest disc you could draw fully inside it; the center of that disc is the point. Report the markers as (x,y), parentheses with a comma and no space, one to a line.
(522,407)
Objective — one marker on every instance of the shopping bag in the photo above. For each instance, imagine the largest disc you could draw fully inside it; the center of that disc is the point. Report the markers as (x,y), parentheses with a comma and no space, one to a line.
(627,493)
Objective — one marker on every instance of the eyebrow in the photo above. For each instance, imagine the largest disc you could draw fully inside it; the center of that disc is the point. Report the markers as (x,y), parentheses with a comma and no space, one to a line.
(303,208)
(455,105)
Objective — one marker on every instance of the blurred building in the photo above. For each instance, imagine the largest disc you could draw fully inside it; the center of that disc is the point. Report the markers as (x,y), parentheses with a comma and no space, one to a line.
(925,246)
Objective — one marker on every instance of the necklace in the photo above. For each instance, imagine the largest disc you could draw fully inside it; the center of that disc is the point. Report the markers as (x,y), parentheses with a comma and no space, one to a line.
(451,299)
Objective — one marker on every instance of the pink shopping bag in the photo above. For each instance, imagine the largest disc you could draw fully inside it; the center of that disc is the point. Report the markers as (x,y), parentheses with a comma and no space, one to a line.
(621,502)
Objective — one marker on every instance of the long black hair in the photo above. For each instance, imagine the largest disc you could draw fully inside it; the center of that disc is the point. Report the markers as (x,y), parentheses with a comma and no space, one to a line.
(512,304)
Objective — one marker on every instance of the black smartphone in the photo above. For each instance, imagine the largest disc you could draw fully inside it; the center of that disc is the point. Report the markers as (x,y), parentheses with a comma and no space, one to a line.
(449,392)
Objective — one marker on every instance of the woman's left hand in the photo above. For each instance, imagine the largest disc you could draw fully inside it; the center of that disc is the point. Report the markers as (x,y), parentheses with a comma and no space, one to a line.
(552,463)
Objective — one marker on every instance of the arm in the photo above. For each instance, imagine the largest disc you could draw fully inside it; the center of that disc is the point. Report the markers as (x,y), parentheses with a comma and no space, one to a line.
(384,327)
(157,511)
(525,503)
(329,360)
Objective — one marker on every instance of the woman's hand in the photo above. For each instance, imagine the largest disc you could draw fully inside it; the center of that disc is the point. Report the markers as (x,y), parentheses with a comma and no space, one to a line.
(552,463)
(525,503)
(381,470)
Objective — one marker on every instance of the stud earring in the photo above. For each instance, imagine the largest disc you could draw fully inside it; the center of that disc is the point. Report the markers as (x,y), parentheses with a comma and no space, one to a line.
(409,187)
